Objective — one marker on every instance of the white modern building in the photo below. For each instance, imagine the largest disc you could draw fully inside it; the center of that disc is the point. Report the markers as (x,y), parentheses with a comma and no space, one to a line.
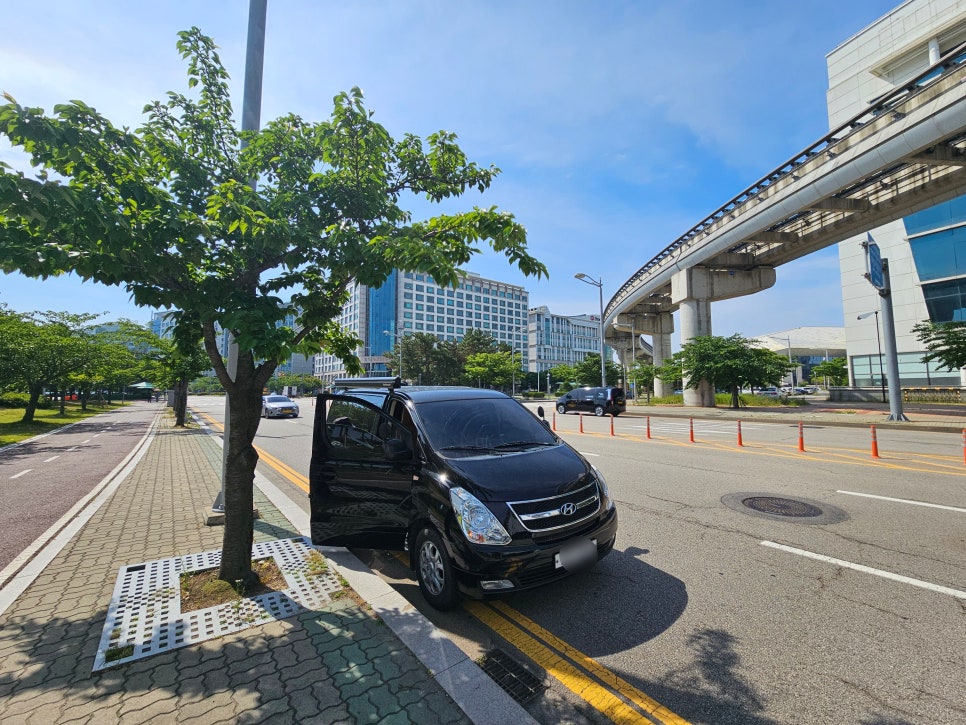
(410,302)
(926,251)
(561,340)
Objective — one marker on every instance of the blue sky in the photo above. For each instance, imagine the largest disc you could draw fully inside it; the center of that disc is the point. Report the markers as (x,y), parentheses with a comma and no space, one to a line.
(618,125)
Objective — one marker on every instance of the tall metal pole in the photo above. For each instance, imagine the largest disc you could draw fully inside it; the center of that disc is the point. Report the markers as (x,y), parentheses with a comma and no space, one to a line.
(599,284)
(892,355)
(251,119)
(878,342)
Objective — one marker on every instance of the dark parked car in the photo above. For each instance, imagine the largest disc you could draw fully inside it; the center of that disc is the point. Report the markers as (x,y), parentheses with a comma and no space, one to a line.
(599,401)
(276,406)
(486,498)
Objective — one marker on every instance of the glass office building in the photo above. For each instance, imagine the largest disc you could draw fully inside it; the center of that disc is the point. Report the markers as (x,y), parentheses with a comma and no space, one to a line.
(926,250)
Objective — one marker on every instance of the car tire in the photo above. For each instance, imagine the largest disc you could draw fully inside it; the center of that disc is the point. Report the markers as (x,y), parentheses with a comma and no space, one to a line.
(434,571)
(562,409)
(599,410)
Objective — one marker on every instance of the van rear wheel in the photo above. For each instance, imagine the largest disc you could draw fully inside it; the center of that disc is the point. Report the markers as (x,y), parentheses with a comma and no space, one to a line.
(562,409)
(599,410)
(434,572)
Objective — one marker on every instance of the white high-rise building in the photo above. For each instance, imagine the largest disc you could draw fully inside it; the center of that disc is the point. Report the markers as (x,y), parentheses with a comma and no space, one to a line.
(409,302)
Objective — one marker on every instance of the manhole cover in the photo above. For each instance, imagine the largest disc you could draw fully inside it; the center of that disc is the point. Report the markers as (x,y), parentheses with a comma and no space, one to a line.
(509,674)
(781,506)
(787,509)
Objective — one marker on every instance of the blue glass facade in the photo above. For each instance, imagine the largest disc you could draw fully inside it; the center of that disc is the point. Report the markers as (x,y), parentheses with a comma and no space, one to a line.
(382,316)
(937,238)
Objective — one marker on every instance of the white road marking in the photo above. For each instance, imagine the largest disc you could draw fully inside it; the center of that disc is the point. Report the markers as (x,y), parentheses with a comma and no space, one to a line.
(52,458)
(72,448)
(906,500)
(867,569)
(87,441)
(585,453)
(24,472)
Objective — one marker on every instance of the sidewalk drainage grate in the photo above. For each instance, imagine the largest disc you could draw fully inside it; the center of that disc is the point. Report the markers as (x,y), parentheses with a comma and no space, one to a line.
(782,506)
(513,677)
(145,617)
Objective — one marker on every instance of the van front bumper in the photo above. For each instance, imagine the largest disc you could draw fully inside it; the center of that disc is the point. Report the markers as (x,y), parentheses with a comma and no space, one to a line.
(486,570)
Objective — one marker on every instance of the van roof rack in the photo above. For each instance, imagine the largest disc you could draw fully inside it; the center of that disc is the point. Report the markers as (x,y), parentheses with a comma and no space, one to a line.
(371,382)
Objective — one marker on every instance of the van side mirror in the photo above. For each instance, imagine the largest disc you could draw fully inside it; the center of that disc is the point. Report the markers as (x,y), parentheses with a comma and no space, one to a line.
(540,411)
(395,449)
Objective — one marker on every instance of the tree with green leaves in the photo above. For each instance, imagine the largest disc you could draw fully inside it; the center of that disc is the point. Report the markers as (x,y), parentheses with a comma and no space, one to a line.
(492,368)
(587,371)
(169,212)
(43,350)
(725,362)
(945,342)
(835,370)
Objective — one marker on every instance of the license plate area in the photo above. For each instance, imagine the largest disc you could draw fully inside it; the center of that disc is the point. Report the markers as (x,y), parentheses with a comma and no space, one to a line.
(576,555)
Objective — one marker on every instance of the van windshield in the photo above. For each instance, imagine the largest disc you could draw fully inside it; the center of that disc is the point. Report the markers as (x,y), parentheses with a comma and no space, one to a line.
(471,427)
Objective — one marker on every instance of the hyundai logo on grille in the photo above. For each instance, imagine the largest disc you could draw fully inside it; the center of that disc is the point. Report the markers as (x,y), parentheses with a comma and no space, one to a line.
(568,509)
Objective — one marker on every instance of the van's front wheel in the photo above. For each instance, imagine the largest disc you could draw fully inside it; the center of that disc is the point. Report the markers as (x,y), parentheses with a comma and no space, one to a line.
(434,572)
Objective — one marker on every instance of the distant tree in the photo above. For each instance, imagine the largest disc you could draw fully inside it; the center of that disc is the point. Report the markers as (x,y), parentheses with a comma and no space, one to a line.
(42,350)
(491,368)
(725,362)
(642,373)
(587,371)
(169,212)
(836,370)
(945,341)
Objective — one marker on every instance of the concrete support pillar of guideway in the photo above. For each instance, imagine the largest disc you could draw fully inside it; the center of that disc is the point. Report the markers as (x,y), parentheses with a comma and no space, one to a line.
(693,290)
(659,326)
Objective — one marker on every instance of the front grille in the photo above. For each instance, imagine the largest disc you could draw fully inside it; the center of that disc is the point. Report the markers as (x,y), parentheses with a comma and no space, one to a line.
(557,512)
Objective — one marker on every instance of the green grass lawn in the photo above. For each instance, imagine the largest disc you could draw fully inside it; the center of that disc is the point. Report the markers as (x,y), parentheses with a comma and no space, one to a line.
(13,431)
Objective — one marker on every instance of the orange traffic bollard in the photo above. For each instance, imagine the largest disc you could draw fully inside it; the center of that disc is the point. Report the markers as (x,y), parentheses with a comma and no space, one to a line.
(691,429)
(875,444)
(801,437)
(581,422)
(739,435)
(554,418)
(964,447)
(649,432)
(612,425)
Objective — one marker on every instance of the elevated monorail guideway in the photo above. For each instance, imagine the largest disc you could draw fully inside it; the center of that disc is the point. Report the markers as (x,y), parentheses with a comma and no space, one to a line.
(904,154)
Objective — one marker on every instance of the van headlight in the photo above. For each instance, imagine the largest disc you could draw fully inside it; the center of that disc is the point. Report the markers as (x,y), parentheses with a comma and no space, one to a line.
(478,523)
(604,491)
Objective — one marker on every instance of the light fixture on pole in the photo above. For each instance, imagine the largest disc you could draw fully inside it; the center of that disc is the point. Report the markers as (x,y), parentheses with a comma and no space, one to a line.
(878,341)
(397,340)
(599,284)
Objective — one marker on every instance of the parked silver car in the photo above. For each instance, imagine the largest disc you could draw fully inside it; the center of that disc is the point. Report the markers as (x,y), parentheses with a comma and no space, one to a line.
(278,406)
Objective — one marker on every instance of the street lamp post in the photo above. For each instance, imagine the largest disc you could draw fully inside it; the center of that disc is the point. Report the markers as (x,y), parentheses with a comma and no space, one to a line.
(599,284)
(878,341)
(397,338)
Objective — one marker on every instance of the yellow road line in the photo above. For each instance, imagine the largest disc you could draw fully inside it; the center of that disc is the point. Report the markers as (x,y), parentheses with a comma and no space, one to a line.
(551,654)
(271,461)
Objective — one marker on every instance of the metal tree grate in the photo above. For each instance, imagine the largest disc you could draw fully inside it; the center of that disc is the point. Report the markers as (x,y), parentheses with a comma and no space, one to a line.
(513,677)
(145,615)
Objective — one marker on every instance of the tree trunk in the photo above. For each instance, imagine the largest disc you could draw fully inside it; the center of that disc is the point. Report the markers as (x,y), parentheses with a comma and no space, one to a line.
(734,397)
(180,402)
(35,392)
(63,399)
(244,403)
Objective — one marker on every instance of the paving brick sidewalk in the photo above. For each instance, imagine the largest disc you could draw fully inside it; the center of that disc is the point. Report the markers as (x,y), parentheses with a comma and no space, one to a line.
(340,664)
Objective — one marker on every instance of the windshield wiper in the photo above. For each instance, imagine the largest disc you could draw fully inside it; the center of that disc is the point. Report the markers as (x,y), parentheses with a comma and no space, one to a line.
(467,448)
(524,444)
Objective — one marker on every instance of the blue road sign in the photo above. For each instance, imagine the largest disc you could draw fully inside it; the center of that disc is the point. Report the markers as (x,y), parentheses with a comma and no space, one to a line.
(873,263)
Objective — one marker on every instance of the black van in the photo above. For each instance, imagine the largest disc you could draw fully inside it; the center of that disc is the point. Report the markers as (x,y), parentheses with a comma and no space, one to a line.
(482,493)
(599,401)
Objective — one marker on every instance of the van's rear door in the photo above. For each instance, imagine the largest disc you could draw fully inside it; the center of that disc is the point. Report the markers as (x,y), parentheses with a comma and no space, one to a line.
(361,475)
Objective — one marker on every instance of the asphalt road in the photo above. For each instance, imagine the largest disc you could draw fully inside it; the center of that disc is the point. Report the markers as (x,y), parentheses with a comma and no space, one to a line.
(44,477)
(719,613)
